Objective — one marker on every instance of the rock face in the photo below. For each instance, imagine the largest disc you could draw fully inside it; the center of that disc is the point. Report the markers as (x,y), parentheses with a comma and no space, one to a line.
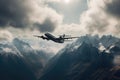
(83,60)
(19,61)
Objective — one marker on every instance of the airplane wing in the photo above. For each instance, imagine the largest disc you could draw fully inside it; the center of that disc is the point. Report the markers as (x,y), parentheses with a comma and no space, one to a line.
(71,37)
(43,37)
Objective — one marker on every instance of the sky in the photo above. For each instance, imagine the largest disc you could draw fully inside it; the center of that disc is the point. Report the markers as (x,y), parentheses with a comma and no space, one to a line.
(24,18)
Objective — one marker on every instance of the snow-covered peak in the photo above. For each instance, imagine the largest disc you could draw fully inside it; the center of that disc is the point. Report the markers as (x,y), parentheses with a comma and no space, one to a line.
(8,48)
(89,39)
(103,44)
(23,46)
(108,40)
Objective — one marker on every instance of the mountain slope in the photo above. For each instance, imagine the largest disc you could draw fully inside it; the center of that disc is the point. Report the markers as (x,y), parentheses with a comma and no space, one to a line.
(19,61)
(12,66)
(35,59)
(83,60)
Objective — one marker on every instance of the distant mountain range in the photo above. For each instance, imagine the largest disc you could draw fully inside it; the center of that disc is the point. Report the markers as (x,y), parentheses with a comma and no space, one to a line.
(19,61)
(89,58)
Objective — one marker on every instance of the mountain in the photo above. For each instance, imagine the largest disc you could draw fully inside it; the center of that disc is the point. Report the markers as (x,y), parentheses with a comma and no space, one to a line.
(84,60)
(34,58)
(19,61)
(12,66)
(88,58)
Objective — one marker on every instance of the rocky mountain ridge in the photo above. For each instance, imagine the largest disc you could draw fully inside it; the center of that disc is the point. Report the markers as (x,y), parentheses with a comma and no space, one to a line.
(84,60)
(20,61)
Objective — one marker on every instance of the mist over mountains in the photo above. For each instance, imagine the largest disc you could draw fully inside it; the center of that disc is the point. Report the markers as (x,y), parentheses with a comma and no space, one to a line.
(88,58)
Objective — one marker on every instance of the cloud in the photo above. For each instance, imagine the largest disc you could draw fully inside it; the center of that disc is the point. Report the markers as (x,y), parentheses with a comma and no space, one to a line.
(14,13)
(102,17)
(5,35)
(70,29)
(47,46)
(23,14)
(46,26)
(48,21)
(53,0)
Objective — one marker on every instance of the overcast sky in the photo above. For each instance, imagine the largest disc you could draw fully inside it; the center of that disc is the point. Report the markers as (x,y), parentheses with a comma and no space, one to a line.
(23,18)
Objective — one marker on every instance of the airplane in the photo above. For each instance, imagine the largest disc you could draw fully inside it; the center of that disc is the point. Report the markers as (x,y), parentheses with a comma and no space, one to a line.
(60,39)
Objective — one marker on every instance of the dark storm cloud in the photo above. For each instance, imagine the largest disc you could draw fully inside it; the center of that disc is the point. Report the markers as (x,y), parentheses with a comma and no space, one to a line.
(47,26)
(14,13)
(113,7)
(23,14)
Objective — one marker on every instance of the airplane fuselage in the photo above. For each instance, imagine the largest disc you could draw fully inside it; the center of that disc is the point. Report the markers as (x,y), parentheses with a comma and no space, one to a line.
(53,38)
(60,39)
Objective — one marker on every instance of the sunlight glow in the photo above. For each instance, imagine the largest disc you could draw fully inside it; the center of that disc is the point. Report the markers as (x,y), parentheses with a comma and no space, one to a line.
(67,1)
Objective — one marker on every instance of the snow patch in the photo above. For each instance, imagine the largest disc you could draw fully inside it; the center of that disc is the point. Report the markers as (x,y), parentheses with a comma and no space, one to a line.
(8,50)
(101,47)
